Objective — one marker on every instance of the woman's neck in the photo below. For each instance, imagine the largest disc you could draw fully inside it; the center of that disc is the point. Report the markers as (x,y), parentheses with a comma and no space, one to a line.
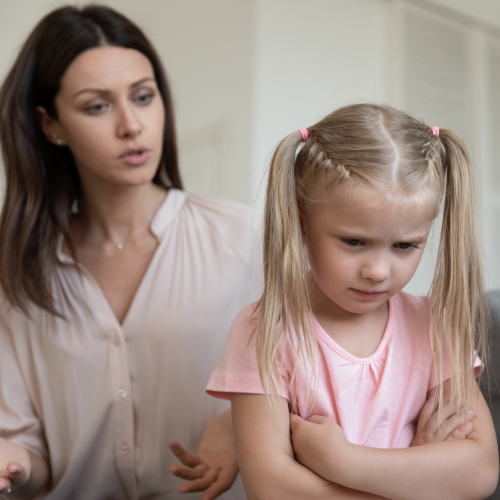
(116,214)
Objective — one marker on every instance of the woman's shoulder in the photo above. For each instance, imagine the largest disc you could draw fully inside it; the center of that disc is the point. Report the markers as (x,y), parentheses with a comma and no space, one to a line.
(234,223)
(227,212)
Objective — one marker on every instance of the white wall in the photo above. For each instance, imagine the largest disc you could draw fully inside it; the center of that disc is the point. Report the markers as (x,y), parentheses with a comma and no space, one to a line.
(309,61)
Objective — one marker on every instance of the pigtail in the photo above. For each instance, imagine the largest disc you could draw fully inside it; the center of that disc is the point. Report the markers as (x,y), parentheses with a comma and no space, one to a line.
(285,301)
(458,306)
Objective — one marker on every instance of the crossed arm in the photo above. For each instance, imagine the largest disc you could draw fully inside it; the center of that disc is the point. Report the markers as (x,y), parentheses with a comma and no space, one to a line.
(466,469)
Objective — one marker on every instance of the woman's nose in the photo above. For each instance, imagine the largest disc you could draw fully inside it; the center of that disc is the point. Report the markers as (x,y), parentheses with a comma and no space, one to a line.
(128,126)
(376,268)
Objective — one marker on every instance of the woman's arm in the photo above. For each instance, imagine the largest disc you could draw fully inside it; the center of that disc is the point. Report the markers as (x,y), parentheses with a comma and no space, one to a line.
(214,467)
(266,459)
(22,471)
(454,470)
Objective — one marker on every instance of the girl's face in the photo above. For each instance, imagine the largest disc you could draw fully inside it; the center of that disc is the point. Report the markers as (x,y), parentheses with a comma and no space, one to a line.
(110,115)
(364,245)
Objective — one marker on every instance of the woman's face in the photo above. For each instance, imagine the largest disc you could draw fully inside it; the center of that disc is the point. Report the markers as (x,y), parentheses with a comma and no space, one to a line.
(111,116)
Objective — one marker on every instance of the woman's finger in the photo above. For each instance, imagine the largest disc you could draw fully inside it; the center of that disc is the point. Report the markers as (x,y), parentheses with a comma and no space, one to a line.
(187,472)
(200,484)
(185,457)
(4,485)
(224,481)
(18,474)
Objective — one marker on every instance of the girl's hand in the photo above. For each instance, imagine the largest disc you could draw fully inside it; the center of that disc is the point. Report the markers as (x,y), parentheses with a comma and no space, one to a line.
(319,444)
(15,466)
(214,467)
(448,425)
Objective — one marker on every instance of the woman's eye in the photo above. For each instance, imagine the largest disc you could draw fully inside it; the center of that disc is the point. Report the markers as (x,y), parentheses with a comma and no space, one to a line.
(144,99)
(96,109)
(352,242)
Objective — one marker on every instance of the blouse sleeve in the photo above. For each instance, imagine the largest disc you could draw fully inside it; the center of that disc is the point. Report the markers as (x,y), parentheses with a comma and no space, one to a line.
(19,423)
(237,369)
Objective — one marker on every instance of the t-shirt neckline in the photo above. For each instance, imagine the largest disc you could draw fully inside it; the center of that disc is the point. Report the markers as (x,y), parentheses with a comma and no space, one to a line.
(378,351)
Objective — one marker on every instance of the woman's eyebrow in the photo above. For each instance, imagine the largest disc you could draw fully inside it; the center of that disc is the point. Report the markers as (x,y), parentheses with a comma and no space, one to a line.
(107,91)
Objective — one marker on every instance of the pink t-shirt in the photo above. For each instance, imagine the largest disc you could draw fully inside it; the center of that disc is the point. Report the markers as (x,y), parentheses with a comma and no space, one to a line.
(375,400)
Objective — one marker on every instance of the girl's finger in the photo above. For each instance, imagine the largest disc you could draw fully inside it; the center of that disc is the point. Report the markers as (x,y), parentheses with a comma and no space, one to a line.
(294,421)
(316,419)
(200,484)
(224,481)
(427,411)
(188,473)
(453,423)
(185,457)
(461,432)
(439,418)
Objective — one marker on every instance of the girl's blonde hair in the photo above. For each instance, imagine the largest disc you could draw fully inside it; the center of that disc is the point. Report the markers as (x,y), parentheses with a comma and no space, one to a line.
(380,146)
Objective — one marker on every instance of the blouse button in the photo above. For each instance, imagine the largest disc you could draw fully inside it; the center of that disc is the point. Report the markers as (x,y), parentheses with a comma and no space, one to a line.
(115,340)
(124,450)
(122,393)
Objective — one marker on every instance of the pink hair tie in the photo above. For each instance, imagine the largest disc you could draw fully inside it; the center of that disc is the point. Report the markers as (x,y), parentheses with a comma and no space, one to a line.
(305,134)
(435,131)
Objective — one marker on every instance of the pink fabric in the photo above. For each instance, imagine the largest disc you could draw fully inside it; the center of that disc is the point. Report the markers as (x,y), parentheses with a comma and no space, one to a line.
(305,134)
(376,400)
(435,131)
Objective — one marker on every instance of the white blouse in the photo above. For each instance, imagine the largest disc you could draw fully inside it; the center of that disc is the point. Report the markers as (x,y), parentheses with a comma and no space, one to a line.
(99,400)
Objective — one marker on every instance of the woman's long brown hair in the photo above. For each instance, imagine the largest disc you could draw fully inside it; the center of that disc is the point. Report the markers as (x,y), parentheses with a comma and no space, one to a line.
(42,182)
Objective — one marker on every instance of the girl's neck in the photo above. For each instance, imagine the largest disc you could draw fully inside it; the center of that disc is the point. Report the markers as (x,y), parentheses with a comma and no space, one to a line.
(357,333)
(116,213)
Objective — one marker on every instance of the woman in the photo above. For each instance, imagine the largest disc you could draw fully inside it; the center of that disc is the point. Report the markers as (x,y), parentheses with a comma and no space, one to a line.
(118,287)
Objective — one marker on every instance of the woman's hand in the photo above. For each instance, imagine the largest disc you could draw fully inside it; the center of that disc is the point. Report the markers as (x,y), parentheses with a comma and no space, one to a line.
(452,423)
(319,444)
(15,466)
(214,467)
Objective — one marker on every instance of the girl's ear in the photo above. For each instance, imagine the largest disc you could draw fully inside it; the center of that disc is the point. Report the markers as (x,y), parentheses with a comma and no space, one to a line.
(50,127)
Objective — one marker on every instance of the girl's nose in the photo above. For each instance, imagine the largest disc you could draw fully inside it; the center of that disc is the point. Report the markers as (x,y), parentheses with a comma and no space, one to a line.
(377,268)
(127,124)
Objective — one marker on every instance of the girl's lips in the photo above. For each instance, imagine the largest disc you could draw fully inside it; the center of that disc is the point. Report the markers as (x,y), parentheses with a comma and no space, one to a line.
(135,157)
(366,294)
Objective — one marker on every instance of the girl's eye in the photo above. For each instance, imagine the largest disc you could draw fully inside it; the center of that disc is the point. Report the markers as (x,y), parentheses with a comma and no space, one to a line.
(97,109)
(405,246)
(144,99)
(352,242)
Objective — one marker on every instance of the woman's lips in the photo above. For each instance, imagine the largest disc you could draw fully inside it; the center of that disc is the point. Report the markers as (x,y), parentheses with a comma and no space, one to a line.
(137,157)
(365,294)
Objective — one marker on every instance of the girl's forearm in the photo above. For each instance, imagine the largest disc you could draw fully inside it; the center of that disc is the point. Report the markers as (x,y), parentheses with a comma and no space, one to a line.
(451,470)
(288,480)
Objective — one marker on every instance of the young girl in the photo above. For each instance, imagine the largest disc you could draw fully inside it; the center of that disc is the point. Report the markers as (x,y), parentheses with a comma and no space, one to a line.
(334,339)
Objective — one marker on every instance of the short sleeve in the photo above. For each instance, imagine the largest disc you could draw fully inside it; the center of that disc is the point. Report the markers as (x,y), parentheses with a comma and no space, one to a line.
(237,369)
(434,378)
(19,423)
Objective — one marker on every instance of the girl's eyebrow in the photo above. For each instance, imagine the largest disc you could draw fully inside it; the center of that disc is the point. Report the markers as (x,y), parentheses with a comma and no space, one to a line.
(107,91)
(356,235)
